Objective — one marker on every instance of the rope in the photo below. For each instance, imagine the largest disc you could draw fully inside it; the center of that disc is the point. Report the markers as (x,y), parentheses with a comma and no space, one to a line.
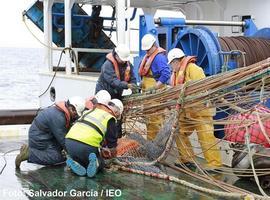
(240,88)
(262,127)
(188,184)
(262,89)
(170,141)
(250,154)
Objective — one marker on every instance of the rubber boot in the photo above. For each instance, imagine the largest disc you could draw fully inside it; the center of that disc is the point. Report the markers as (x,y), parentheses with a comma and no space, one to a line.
(76,167)
(22,156)
(93,165)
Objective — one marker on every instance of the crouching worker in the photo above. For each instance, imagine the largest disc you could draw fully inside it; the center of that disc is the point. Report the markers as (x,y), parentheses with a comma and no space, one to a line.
(47,133)
(102,97)
(86,136)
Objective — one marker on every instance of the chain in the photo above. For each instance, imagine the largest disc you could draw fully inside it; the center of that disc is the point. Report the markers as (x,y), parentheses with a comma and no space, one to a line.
(112,23)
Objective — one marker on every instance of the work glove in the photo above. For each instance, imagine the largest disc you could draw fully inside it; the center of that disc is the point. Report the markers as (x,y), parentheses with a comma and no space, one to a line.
(108,153)
(150,90)
(64,153)
(134,88)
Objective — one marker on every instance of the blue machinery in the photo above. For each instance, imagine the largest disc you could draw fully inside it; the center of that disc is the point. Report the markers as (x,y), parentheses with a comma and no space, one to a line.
(87,31)
(214,54)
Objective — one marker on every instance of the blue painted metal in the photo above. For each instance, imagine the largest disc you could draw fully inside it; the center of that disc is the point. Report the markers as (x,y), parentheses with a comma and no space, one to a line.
(167,31)
(84,32)
(146,25)
(167,21)
(250,28)
(262,33)
(80,19)
(232,62)
(201,42)
(137,60)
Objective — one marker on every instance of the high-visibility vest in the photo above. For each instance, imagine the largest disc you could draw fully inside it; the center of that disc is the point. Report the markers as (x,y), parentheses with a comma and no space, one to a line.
(147,61)
(91,127)
(110,57)
(62,106)
(179,77)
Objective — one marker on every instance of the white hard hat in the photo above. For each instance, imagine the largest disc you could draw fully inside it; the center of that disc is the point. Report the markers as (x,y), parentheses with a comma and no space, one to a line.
(118,104)
(78,103)
(147,41)
(175,53)
(123,52)
(103,96)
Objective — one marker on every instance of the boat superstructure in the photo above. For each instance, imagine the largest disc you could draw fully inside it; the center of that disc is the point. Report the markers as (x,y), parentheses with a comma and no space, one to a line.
(67,26)
(224,35)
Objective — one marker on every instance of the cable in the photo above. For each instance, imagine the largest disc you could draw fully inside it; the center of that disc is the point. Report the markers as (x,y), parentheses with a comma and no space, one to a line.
(6,160)
(73,55)
(28,28)
(53,75)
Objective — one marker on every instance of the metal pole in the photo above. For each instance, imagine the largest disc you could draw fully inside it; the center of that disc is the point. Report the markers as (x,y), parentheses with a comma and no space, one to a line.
(120,21)
(182,21)
(68,31)
(128,25)
(47,10)
(214,23)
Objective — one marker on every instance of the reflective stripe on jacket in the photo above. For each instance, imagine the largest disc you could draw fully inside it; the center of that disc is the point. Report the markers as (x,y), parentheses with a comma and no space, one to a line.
(147,61)
(110,57)
(179,77)
(62,106)
(91,127)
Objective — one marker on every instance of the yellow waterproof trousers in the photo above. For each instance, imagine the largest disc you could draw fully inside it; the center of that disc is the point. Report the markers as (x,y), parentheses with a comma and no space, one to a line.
(154,122)
(190,121)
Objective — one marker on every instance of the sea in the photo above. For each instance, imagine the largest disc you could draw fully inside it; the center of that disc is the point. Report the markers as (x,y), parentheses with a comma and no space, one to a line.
(19,80)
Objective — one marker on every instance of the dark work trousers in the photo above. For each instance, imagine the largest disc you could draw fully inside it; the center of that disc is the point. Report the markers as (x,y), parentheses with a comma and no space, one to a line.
(79,152)
(50,156)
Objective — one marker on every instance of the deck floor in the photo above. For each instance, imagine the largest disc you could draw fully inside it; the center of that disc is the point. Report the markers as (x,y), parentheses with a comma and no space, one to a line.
(34,181)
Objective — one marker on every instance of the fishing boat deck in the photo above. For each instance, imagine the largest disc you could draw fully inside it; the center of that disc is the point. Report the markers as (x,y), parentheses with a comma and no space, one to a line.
(34,179)
(14,183)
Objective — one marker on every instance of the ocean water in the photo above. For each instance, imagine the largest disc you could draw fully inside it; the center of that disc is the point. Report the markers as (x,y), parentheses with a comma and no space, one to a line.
(19,81)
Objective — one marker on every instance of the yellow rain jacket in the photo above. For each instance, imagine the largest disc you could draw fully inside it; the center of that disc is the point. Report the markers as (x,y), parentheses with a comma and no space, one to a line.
(91,127)
(200,119)
(154,122)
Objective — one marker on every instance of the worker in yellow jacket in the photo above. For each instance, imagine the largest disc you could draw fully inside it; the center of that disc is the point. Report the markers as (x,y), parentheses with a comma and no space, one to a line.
(84,139)
(155,74)
(198,118)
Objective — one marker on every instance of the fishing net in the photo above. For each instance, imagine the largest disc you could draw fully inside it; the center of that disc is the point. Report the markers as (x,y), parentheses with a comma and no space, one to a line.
(236,101)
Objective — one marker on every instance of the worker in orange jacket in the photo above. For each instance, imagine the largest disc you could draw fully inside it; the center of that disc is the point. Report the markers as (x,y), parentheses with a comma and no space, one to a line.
(155,74)
(198,118)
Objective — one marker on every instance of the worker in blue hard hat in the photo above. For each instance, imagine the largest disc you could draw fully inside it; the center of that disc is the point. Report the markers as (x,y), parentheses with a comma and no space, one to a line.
(94,128)
(47,133)
(155,74)
(198,118)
